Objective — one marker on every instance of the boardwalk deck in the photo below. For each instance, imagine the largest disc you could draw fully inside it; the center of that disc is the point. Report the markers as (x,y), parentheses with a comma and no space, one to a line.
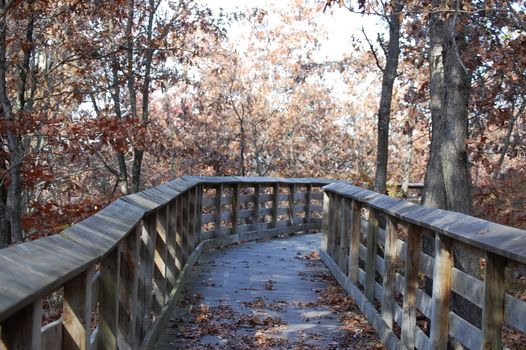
(275,294)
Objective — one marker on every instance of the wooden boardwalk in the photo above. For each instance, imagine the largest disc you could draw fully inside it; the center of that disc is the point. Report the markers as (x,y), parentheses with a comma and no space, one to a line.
(268,295)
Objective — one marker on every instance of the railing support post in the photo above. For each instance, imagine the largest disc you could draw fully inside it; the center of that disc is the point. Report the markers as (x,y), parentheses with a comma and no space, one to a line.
(22,331)
(493,311)
(109,285)
(389,271)
(370,262)
(412,263)
(354,252)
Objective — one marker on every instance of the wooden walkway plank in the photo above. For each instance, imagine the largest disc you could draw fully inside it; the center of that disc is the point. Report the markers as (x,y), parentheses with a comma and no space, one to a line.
(241,300)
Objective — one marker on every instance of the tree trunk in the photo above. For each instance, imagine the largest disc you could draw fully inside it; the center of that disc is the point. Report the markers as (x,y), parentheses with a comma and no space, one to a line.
(384,112)
(138,154)
(434,192)
(4,217)
(447,183)
(16,152)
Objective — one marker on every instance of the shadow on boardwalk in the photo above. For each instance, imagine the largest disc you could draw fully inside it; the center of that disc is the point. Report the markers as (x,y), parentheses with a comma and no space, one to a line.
(275,294)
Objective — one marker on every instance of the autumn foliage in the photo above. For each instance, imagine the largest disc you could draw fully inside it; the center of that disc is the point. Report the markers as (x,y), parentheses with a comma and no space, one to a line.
(98,99)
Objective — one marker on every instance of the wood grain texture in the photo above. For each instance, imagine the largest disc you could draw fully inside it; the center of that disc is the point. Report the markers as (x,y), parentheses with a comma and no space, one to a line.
(414,238)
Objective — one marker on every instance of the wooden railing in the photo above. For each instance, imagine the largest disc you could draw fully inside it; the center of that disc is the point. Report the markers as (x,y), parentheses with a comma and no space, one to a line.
(117,274)
(385,269)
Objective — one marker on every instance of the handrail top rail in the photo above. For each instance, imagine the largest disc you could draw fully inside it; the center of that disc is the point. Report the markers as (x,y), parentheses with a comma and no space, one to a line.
(34,269)
(499,239)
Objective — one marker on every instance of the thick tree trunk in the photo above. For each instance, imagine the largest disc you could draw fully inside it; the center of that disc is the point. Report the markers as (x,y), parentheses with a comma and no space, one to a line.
(434,193)
(447,183)
(16,152)
(384,112)
(457,181)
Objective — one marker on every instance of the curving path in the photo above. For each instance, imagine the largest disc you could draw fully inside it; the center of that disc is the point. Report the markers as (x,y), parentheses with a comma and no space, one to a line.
(275,294)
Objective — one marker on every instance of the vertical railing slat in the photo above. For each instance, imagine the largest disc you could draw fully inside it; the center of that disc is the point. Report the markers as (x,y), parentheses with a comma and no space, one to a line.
(414,238)
(218,210)
(370,261)
(292,213)
(345,235)
(109,291)
(354,253)
(441,292)
(171,246)
(129,283)
(235,208)
(257,206)
(159,272)
(493,311)
(22,330)
(275,204)
(77,309)
(325,223)
(147,252)
(389,271)
(308,204)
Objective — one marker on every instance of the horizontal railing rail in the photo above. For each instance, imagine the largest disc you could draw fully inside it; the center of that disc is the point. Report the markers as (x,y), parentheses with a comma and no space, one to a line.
(119,272)
(385,269)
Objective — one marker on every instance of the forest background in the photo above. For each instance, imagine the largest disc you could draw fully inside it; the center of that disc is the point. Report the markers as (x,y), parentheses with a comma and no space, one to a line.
(104,98)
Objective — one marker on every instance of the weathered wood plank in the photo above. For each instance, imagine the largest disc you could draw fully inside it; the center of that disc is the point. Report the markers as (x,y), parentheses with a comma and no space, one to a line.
(411,285)
(160,258)
(52,336)
(146,267)
(443,265)
(235,207)
(493,310)
(109,291)
(292,212)
(354,252)
(23,330)
(76,316)
(171,246)
(370,261)
(308,206)
(128,295)
(275,204)
(389,274)
(325,224)
(345,235)
(218,209)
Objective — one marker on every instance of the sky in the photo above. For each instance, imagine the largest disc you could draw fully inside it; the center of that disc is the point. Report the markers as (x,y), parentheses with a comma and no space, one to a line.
(339,23)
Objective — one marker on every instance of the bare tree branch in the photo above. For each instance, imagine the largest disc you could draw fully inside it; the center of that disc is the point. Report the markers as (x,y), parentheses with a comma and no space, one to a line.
(373,50)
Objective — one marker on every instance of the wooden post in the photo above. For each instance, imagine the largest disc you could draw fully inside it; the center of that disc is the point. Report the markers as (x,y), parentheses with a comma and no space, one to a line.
(171,243)
(389,272)
(76,316)
(179,247)
(308,204)
(275,204)
(370,261)
(235,208)
(332,209)
(412,262)
(109,291)
(325,223)
(159,273)
(337,228)
(493,310)
(441,292)
(257,204)
(218,210)
(354,253)
(22,330)
(129,282)
(345,235)
(183,207)
(148,237)
(199,213)
(292,213)
(192,219)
